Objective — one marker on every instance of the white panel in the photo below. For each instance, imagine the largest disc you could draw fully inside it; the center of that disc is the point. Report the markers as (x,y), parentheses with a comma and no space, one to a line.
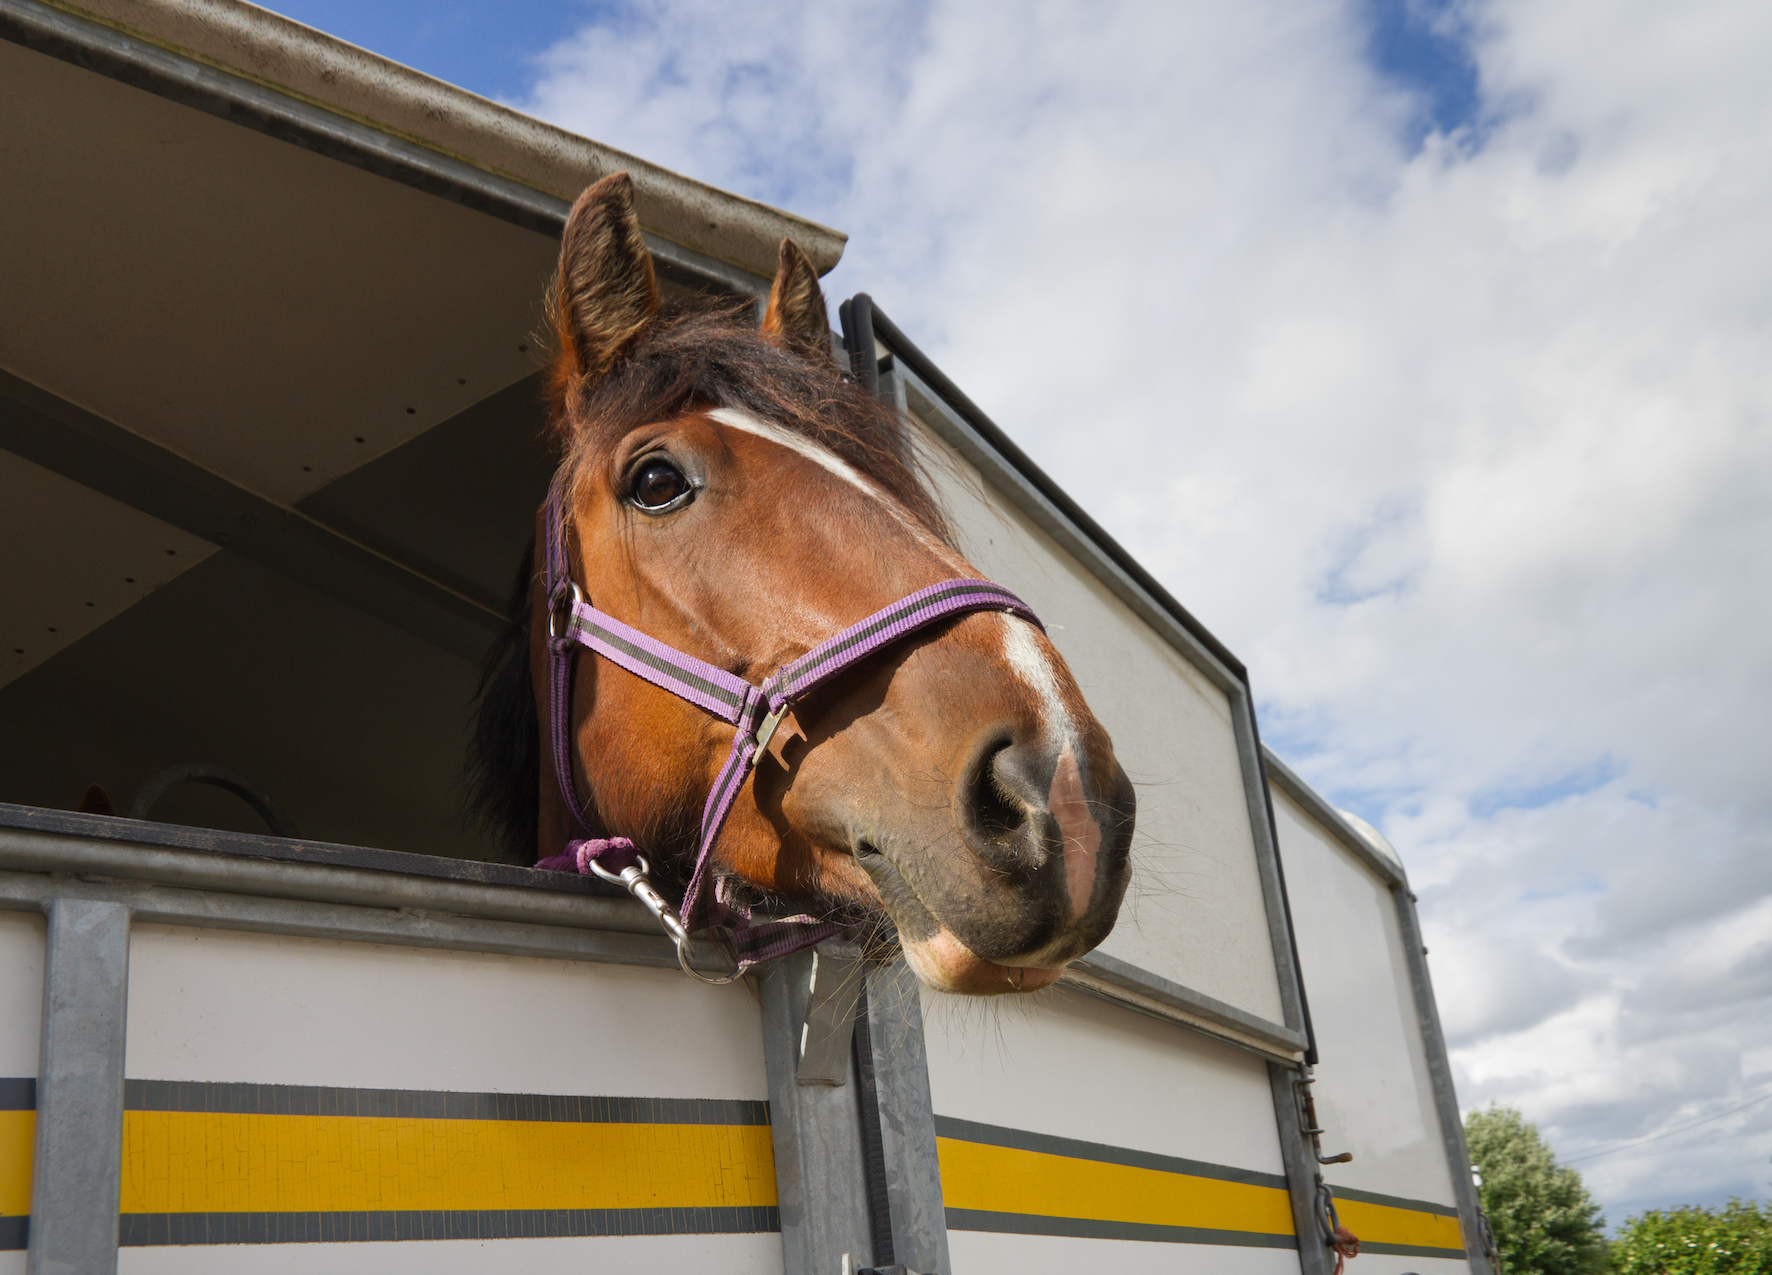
(983,1253)
(1373,1092)
(1066,1064)
(21,991)
(260,1008)
(13,1262)
(638,1255)
(1195,912)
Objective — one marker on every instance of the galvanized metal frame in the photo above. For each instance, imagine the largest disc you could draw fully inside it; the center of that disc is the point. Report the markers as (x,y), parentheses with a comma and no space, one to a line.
(820,1186)
(77,1159)
(1427,1013)
(1299,1157)
(121,57)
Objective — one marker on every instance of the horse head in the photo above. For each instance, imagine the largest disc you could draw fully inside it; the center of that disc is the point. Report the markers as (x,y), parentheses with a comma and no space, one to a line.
(728,493)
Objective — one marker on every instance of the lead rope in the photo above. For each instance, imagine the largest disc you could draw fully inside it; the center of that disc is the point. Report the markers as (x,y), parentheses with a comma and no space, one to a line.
(753,711)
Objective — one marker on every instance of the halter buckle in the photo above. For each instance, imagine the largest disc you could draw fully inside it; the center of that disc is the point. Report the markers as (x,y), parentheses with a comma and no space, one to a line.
(766,728)
(565,592)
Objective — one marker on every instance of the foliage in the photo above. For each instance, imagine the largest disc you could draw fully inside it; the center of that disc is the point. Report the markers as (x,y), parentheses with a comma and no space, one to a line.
(1545,1223)
(1733,1240)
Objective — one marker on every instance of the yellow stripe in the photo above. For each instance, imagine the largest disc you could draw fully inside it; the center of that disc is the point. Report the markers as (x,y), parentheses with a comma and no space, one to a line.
(16,1130)
(203,1162)
(1005,1180)
(1387,1224)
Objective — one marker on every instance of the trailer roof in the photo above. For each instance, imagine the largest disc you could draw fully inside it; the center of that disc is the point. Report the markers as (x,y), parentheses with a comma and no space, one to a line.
(281,54)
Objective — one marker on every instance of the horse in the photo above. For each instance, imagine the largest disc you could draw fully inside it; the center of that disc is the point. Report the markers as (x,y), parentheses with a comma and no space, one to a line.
(729,492)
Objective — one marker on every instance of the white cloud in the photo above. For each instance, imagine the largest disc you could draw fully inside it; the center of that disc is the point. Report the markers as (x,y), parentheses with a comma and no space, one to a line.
(1467,452)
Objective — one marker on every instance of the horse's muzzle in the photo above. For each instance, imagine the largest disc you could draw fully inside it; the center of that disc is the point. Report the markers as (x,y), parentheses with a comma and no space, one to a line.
(1035,880)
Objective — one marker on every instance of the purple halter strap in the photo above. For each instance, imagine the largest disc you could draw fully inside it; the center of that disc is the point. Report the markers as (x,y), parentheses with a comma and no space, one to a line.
(754,712)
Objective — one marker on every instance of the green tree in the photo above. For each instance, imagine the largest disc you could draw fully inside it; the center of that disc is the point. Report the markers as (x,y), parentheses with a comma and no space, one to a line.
(1545,1222)
(1733,1240)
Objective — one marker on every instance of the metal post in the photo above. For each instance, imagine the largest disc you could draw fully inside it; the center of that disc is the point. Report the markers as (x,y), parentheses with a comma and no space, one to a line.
(907,1120)
(1301,1169)
(820,1186)
(77,1176)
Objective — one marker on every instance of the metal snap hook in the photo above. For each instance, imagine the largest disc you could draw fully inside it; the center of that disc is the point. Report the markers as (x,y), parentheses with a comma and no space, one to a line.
(634,879)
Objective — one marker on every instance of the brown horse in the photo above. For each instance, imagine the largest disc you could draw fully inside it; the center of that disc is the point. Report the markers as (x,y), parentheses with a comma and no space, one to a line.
(729,493)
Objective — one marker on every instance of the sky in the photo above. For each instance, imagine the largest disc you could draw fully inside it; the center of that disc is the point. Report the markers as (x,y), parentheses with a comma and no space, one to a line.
(1424,351)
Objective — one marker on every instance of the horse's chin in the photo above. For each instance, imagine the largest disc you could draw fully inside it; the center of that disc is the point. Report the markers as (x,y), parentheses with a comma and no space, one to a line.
(948,965)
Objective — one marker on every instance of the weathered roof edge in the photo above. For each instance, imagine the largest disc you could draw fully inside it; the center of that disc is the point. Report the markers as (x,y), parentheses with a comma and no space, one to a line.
(279,53)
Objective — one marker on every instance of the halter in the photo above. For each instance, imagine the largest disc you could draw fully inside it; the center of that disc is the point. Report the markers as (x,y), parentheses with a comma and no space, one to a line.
(753,711)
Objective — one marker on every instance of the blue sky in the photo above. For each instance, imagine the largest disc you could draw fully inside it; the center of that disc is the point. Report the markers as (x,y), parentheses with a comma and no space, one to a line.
(488,48)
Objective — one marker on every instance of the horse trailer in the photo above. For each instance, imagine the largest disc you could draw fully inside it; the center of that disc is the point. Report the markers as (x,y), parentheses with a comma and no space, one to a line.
(271,450)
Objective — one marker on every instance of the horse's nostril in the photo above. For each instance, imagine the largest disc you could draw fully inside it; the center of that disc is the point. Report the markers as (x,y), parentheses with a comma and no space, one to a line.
(998,816)
(999,801)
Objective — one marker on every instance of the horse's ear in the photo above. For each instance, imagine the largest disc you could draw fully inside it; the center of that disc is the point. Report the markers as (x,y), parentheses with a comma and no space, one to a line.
(605,291)
(796,314)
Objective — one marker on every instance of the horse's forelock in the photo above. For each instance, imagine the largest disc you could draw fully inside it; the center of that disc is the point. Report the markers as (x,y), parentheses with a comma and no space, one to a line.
(697,356)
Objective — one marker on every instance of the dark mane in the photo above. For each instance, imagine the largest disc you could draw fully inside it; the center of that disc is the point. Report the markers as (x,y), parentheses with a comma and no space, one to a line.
(692,355)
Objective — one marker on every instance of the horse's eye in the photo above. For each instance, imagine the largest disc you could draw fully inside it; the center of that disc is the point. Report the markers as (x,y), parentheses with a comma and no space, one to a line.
(659,484)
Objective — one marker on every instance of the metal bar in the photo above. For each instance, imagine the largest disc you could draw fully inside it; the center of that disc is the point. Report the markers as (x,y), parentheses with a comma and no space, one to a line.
(1288,782)
(404,927)
(228,874)
(1288,971)
(77,1171)
(1439,1070)
(857,317)
(907,1119)
(68,440)
(1124,975)
(1301,1169)
(255,845)
(120,57)
(820,1188)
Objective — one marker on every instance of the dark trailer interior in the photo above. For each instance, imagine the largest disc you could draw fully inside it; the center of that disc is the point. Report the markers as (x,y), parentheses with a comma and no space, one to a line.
(269,424)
